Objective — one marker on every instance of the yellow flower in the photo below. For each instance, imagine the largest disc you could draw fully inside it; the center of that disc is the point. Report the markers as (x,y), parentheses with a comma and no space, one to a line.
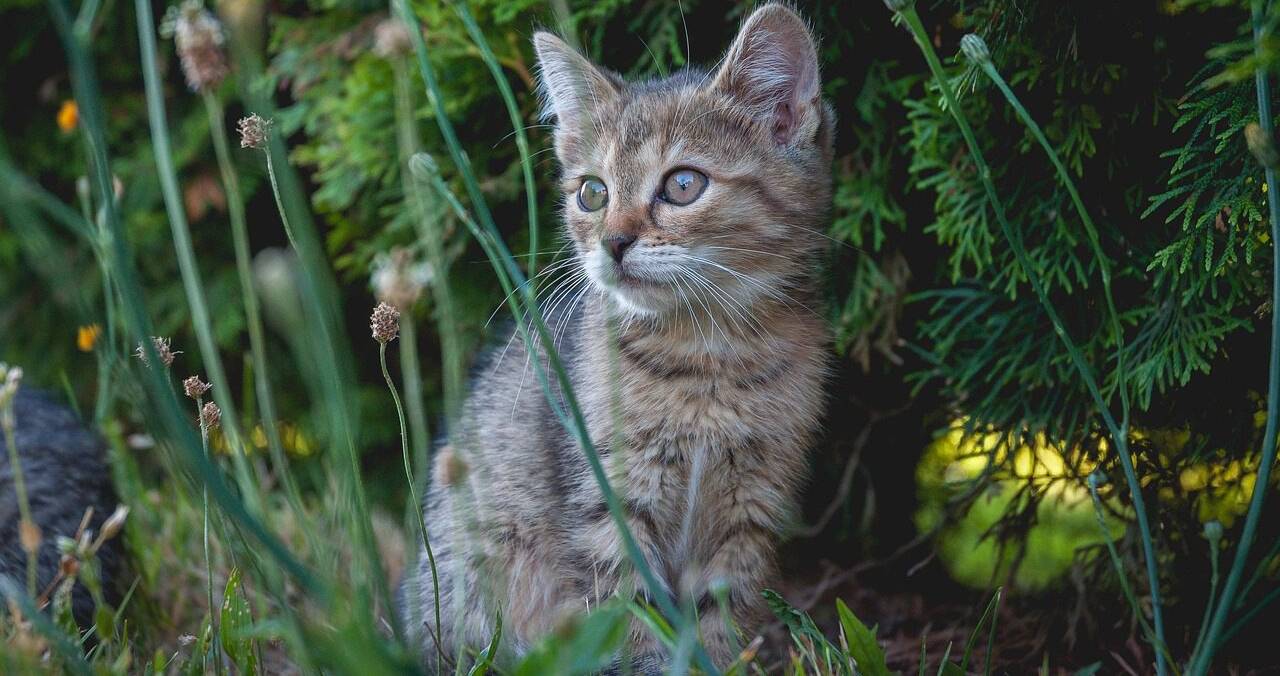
(68,116)
(87,337)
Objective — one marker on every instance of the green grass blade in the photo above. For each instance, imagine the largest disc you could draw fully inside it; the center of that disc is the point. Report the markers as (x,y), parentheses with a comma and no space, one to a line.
(1202,661)
(1014,239)
(504,262)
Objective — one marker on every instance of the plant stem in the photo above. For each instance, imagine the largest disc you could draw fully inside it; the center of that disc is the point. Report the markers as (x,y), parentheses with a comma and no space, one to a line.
(510,276)
(517,124)
(183,247)
(411,370)
(1095,243)
(912,19)
(208,559)
(1213,591)
(361,519)
(20,487)
(253,317)
(1116,561)
(413,495)
(431,234)
(166,411)
(1201,662)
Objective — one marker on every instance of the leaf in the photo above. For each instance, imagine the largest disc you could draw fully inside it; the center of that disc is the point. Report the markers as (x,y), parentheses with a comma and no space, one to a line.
(105,622)
(805,633)
(195,662)
(584,645)
(235,621)
(863,647)
(485,659)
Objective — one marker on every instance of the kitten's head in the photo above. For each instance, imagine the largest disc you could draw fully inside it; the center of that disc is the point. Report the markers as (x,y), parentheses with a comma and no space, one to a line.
(703,188)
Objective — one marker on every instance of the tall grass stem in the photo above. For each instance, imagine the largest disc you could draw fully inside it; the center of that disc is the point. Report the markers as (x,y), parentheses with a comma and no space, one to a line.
(413,496)
(208,557)
(912,19)
(24,504)
(362,520)
(253,315)
(517,125)
(166,413)
(511,277)
(1262,485)
(183,247)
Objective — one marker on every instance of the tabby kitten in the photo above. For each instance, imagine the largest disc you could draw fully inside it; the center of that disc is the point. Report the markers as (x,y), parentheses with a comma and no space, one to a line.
(694,204)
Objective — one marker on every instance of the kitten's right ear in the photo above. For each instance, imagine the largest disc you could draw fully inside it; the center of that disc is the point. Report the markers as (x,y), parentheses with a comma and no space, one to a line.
(570,85)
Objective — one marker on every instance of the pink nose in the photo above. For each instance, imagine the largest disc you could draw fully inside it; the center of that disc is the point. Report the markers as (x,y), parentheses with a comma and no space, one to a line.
(618,245)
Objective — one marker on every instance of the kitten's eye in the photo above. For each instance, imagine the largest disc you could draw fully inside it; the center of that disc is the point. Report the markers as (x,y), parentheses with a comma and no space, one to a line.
(683,186)
(592,195)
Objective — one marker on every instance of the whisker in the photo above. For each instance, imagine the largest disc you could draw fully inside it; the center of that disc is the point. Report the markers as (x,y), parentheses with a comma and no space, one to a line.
(527,128)
(568,280)
(558,265)
(754,251)
(748,279)
(741,316)
(529,350)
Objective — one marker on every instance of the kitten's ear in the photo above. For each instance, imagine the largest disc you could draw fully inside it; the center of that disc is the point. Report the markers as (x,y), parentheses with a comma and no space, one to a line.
(772,70)
(570,85)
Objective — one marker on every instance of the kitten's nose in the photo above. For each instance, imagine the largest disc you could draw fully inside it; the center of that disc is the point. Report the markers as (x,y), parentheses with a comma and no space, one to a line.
(618,245)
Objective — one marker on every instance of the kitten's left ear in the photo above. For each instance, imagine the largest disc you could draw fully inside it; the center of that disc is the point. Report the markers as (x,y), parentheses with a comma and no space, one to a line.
(772,70)
(571,86)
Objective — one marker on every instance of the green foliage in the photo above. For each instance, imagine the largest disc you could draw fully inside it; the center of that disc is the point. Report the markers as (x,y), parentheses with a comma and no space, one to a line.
(1145,104)
(868,656)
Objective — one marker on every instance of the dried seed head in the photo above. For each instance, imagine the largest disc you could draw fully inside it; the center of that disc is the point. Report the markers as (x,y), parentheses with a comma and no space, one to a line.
(975,49)
(29,535)
(194,387)
(198,35)
(255,131)
(84,546)
(163,349)
(423,167)
(398,280)
(1213,531)
(385,323)
(210,416)
(1262,145)
(391,38)
(114,523)
(66,545)
(10,380)
(68,565)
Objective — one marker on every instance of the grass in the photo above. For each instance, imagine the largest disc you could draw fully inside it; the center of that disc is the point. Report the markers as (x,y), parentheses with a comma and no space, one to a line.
(306,577)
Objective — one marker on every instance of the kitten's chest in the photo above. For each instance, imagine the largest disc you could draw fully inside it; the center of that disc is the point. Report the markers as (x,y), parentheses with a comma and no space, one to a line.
(690,442)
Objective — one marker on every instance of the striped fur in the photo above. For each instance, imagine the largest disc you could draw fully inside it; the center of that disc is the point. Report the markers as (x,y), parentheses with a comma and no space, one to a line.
(703,397)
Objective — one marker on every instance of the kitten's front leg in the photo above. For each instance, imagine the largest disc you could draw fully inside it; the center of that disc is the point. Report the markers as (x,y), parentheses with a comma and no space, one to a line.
(731,607)
(614,574)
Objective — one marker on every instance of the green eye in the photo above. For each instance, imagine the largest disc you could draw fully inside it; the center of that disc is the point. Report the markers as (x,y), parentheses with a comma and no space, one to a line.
(593,195)
(683,186)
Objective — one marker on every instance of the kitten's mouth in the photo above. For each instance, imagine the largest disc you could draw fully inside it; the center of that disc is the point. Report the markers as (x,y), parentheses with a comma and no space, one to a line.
(623,275)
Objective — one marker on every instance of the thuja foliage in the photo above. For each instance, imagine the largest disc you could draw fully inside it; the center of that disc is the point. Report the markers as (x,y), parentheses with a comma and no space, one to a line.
(1145,103)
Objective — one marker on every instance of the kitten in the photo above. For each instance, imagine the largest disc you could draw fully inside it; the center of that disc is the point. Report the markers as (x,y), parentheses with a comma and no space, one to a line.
(694,204)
